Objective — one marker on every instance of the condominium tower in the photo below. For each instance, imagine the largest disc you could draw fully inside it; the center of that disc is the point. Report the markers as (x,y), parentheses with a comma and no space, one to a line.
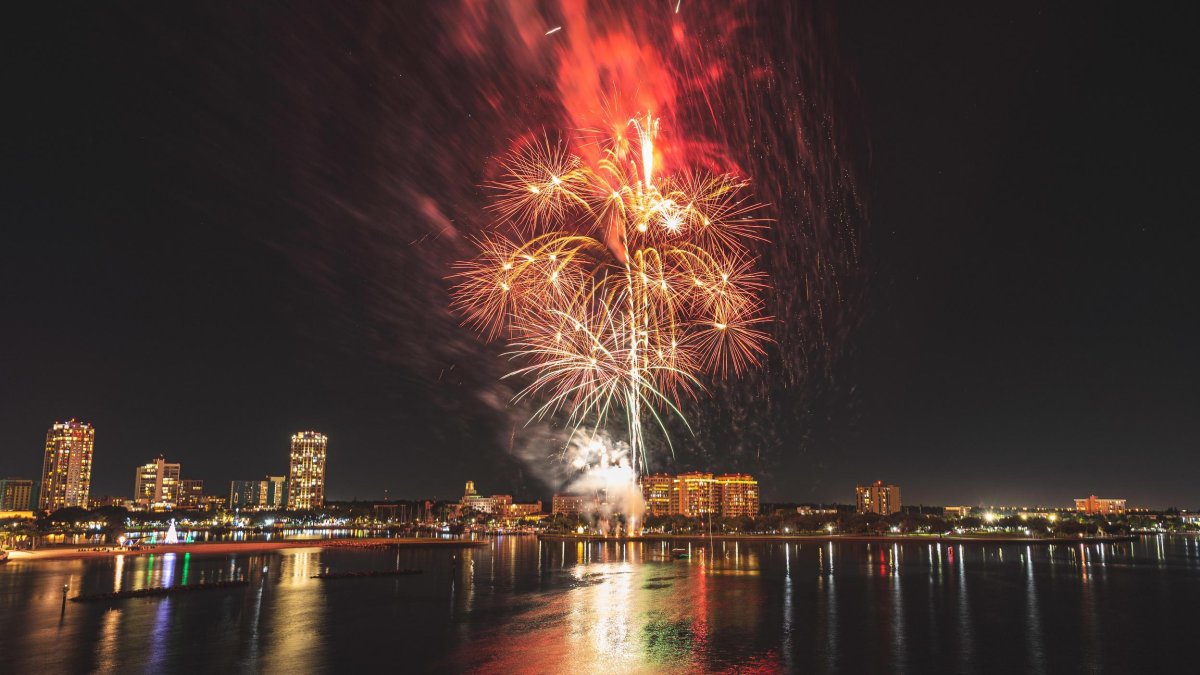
(878,498)
(700,494)
(306,476)
(67,465)
(17,494)
(156,485)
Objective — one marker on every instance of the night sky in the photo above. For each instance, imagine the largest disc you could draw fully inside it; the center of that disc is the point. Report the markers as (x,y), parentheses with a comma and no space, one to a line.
(217,232)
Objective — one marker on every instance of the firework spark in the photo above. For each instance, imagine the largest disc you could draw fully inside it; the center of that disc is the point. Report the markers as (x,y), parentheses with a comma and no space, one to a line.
(618,290)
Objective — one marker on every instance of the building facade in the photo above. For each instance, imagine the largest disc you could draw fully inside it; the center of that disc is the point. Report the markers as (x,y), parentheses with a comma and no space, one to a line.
(67,465)
(656,492)
(275,493)
(737,495)
(306,475)
(525,509)
(878,498)
(156,485)
(1094,505)
(191,493)
(244,494)
(499,505)
(573,505)
(699,494)
(18,494)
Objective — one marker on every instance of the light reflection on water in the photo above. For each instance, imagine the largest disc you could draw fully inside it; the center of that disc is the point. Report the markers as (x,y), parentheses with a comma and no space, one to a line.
(523,605)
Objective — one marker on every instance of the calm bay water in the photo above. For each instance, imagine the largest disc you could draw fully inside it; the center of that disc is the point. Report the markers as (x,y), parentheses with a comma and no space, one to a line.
(521,605)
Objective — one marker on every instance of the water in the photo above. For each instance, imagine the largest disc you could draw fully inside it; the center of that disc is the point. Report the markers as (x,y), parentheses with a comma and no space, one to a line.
(521,605)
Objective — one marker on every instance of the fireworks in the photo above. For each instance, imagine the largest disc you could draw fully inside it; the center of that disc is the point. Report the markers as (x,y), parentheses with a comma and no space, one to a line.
(618,290)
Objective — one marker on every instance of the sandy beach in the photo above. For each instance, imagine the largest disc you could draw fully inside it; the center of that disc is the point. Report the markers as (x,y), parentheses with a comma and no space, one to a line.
(224,548)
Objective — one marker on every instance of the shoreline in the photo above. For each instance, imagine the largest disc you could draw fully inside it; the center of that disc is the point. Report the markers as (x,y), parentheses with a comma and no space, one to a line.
(225,548)
(852,538)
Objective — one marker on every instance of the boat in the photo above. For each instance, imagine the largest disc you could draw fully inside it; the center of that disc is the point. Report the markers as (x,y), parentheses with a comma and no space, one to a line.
(680,553)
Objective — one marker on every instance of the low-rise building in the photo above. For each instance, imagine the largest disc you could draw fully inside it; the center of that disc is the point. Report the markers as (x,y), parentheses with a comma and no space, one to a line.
(473,501)
(1094,505)
(573,504)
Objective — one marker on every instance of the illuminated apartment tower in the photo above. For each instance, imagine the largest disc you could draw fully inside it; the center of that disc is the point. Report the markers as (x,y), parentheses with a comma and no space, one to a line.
(656,491)
(878,498)
(156,485)
(67,466)
(306,477)
(694,494)
(738,495)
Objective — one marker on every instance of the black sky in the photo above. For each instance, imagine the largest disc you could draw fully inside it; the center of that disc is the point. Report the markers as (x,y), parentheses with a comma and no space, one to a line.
(1030,333)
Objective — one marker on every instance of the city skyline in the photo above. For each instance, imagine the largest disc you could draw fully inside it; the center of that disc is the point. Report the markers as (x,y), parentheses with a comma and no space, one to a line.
(158,486)
(1018,326)
(227,486)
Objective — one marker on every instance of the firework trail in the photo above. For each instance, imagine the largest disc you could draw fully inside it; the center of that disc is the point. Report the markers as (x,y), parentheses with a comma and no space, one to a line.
(394,148)
(616,288)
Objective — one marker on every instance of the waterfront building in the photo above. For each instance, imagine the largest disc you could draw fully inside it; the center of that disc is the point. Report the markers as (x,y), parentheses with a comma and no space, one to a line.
(525,510)
(156,485)
(269,493)
(694,494)
(816,510)
(573,505)
(18,494)
(737,495)
(108,500)
(656,492)
(698,494)
(878,498)
(306,475)
(496,504)
(956,511)
(275,492)
(212,502)
(244,494)
(67,465)
(1094,505)
(191,491)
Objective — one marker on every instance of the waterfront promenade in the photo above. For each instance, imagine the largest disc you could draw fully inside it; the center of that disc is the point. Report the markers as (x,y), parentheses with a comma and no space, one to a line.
(223,548)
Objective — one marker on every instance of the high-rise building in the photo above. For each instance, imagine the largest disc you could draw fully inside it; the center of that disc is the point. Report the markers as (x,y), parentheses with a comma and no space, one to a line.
(306,477)
(878,498)
(191,493)
(737,495)
(244,494)
(1094,505)
(156,485)
(656,492)
(67,465)
(18,494)
(275,495)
